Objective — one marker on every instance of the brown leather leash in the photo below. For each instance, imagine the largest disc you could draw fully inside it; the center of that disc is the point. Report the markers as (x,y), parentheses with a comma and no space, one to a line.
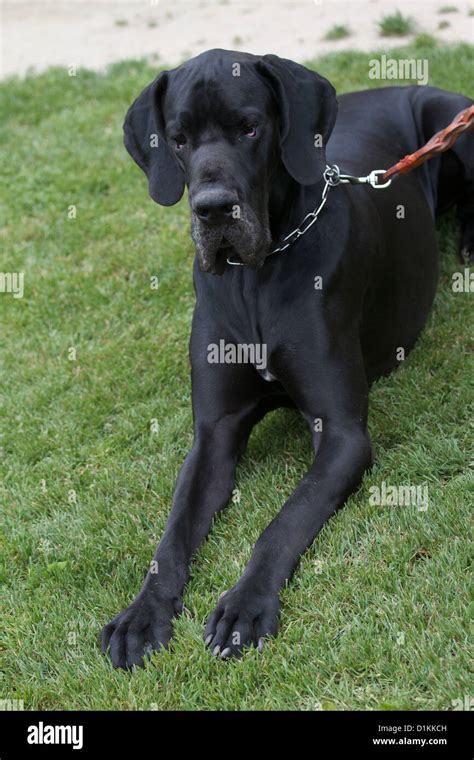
(439,143)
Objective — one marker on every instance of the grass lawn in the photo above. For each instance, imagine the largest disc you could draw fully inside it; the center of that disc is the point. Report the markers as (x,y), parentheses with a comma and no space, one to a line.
(375,617)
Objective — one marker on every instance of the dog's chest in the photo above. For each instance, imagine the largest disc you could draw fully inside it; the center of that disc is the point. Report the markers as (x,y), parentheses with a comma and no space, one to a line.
(256,323)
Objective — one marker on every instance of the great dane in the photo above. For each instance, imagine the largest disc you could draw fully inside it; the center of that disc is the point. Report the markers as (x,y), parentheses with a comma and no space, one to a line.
(250,137)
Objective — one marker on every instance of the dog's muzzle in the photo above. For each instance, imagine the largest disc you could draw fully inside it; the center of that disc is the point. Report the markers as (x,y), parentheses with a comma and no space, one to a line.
(241,238)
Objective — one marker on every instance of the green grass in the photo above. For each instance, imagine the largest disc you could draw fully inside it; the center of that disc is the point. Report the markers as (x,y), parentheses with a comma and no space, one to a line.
(337,32)
(395,25)
(85,485)
(424,41)
(448,9)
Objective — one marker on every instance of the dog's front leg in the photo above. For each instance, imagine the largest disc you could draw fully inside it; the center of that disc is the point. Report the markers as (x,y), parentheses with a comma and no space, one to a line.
(249,611)
(203,488)
(223,421)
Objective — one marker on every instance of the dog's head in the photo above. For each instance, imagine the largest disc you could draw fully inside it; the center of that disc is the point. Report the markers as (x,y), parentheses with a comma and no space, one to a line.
(224,124)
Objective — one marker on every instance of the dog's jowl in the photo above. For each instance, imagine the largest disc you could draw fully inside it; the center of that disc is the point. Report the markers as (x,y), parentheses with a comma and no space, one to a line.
(250,138)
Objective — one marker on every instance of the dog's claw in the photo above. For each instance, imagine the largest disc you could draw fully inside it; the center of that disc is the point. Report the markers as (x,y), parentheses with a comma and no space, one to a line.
(216,650)
(226,653)
(208,640)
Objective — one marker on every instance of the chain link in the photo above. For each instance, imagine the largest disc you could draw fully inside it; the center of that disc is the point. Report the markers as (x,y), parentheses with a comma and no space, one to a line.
(307,222)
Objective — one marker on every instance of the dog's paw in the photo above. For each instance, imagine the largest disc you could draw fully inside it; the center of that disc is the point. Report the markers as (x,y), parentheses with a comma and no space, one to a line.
(242,618)
(142,628)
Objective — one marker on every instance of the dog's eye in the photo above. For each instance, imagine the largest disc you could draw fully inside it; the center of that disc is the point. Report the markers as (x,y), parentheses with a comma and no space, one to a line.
(179,141)
(249,130)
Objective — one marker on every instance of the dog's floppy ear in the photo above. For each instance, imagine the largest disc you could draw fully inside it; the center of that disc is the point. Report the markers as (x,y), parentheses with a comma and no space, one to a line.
(308,108)
(144,138)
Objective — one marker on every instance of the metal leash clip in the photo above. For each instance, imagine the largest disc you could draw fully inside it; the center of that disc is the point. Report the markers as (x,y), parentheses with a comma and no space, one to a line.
(372,179)
(333,177)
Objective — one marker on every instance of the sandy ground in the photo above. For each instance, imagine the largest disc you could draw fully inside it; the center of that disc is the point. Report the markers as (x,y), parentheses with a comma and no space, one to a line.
(38,34)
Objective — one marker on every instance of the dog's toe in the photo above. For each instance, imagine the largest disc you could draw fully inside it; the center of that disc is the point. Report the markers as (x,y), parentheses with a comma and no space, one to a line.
(142,628)
(240,620)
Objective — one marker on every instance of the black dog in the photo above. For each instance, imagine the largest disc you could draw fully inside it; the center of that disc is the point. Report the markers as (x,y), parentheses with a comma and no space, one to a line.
(250,137)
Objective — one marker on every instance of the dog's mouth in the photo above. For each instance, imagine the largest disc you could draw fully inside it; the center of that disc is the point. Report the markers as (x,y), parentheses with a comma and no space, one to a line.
(227,254)
(218,248)
(224,251)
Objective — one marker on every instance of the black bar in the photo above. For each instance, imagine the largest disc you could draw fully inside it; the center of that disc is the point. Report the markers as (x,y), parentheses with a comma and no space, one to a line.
(370,734)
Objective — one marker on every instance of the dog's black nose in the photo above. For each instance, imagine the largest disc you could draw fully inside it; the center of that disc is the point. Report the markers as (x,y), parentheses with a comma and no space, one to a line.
(215,206)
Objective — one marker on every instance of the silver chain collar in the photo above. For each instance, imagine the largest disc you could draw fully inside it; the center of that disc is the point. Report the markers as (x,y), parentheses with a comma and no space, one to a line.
(332,178)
